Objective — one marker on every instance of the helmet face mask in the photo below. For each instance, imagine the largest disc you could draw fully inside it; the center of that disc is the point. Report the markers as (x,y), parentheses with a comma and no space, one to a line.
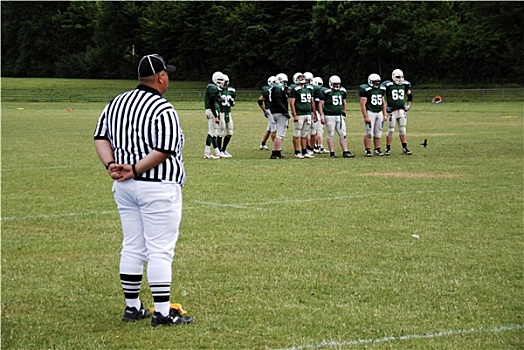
(218,79)
(374,80)
(308,76)
(299,78)
(335,82)
(397,76)
(281,78)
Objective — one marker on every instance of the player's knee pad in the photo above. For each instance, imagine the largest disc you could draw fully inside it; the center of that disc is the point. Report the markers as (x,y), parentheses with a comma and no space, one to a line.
(402,125)
(391,131)
(378,134)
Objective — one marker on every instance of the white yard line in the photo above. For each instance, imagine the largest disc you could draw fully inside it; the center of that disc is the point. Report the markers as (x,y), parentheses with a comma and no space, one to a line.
(245,205)
(333,343)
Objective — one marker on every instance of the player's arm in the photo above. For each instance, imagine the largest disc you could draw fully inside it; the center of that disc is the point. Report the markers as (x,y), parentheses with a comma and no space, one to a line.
(364,110)
(260,102)
(410,100)
(215,106)
(344,104)
(314,109)
(293,109)
(384,113)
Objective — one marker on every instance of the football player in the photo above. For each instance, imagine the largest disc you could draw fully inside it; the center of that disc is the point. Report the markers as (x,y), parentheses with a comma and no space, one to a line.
(263,103)
(304,114)
(278,105)
(212,101)
(399,98)
(227,95)
(316,141)
(373,108)
(332,107)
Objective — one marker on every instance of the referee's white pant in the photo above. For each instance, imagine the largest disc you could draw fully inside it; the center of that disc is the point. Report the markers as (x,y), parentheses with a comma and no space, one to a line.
(150,213)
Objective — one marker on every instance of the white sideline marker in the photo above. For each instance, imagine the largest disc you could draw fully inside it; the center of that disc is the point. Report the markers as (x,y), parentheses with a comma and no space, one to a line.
(327,343)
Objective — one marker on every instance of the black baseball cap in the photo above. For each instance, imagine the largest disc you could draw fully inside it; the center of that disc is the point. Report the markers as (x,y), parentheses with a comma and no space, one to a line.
(152,64)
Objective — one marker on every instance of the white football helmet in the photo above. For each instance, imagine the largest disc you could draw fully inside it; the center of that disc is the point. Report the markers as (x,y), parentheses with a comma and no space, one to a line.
(271,80)
(374,80)
(318,81)
(397,76)
(298,78)
(309,77)
(218,79)
(335,82)
(281,78)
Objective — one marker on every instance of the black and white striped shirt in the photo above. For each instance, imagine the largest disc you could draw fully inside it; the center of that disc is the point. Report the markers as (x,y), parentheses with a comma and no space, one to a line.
(139,121)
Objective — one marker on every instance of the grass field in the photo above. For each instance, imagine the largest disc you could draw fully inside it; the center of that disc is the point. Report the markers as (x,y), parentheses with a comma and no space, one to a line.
(418,252)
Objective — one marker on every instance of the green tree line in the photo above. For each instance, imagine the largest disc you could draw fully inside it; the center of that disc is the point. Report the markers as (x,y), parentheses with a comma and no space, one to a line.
(452,43)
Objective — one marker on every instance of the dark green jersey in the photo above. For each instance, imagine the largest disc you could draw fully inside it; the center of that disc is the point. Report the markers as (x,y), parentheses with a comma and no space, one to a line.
(333,100)
(265,94)
(278,99)
(227,97)
(212,98)
(302,96)
(374,96)
(396,95)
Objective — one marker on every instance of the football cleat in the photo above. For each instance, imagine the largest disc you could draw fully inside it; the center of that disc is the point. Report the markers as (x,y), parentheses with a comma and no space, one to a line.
(388,152)
(227,154)
(173,318)
(406,151)
(264,147)
(210,156)
(378,152)
(348,154)
(299,156)
(307,155)
(367,153)
(131,314)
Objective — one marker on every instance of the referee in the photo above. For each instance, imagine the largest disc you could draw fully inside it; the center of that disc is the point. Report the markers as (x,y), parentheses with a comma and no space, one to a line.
(139,139)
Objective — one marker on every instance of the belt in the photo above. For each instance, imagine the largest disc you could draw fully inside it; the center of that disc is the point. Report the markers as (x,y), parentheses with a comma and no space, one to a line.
(146,179)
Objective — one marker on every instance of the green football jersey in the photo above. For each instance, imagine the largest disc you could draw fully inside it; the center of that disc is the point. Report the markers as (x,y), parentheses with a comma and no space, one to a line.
(212,98)
(374,96)
(227,96)
(396,95)
(333,100)
(317,91)
(302,95)
(265,94)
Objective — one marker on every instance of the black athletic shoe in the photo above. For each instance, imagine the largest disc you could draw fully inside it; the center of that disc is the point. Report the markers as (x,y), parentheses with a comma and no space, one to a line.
(378,152)
(348,155)
(367,153)
(332,155)
(174,317)
(131,314)
(388,152)
(406,151)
